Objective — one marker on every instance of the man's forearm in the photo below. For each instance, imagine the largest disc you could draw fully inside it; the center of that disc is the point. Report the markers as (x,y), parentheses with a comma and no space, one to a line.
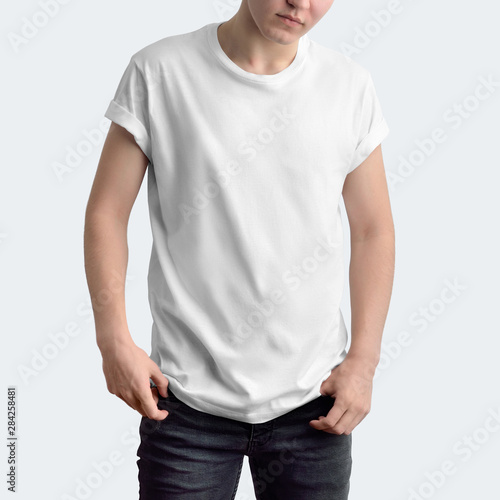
(106,257)
(371,274)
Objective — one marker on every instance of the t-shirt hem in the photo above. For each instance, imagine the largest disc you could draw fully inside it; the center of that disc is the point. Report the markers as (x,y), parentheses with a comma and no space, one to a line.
(251,418)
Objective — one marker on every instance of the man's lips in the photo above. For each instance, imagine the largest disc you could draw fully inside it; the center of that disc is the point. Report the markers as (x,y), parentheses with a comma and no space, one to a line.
(291,18)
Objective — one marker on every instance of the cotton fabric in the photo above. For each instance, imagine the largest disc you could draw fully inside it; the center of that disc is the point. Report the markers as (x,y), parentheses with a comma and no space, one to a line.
(245,177)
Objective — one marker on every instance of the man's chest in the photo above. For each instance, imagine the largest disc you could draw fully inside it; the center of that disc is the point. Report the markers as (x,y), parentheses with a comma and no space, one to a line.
(197,131)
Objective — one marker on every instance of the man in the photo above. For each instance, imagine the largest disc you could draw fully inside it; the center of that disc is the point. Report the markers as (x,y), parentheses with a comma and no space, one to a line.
(252,132)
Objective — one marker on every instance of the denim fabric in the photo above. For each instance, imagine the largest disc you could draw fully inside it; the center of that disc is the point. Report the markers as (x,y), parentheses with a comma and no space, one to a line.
(192,455)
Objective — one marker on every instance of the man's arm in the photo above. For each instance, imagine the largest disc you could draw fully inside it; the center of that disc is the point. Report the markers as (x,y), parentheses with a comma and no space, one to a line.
(127,368)
(371,269)
(371,274)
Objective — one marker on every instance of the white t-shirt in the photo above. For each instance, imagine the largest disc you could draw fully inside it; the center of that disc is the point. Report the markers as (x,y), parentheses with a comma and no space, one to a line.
(245,177)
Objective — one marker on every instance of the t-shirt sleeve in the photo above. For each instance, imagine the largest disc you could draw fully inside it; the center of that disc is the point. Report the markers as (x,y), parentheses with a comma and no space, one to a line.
(373,128)
(129,107)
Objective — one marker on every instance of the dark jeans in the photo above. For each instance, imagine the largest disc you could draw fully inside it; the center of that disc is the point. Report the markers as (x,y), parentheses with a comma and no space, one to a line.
(192,455)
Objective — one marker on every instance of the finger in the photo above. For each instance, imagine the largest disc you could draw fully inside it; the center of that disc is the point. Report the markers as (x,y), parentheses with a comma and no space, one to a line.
(149,406)
(154,392)
(160,380)
(338,426)
(354,423)
(132,404)
(326,388)
(341,426)
(333,416)
(136,404)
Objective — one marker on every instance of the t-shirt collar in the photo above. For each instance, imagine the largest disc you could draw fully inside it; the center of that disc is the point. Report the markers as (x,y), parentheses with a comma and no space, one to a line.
(283,75)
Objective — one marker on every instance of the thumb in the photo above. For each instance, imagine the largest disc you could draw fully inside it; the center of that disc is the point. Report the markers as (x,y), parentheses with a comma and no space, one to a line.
(325,387)
(160,381)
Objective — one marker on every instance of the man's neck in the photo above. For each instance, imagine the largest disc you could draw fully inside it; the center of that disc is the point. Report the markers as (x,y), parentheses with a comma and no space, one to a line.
(245,45)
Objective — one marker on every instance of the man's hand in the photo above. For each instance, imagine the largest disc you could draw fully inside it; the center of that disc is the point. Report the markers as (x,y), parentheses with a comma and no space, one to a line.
(127,369)
(350,383)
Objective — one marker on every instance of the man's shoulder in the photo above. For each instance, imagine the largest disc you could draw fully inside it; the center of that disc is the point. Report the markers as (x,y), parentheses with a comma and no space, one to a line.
(168,48)
(339,63)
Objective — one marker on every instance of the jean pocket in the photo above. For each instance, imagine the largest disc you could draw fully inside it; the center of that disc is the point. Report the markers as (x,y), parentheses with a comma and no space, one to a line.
(148,427)
(170,396)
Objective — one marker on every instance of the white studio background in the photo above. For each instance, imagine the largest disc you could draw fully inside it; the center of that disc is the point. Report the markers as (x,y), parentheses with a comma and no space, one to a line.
(433,430)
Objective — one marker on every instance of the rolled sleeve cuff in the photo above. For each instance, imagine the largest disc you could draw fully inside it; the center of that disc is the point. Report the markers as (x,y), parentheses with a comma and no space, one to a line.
(128,121)
(369,143)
